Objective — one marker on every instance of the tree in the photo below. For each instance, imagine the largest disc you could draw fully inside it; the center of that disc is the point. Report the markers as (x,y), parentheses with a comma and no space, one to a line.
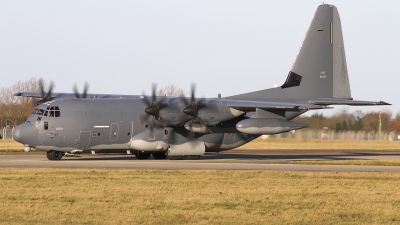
(171,90)
(394,125)
(17,109)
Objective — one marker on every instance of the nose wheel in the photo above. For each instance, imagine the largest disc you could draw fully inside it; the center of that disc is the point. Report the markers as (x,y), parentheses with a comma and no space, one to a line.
(54,155)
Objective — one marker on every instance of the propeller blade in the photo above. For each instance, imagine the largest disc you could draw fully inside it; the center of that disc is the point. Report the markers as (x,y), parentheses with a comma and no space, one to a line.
(153,92)
(85,89)
(41,87)
(75,89)
(48,95)
(193,89)
(145,99)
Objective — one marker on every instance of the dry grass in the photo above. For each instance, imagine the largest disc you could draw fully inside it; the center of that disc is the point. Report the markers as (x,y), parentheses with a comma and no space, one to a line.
(82,196)
(360,162)
(9,145)
(274,143)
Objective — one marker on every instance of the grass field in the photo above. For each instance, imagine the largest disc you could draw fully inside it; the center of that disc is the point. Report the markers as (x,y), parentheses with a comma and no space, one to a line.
(7,145)
(373,162)
(82,196)
(272,143)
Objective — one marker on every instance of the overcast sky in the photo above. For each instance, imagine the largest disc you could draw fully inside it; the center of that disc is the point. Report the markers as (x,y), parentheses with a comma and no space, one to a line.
(228,47)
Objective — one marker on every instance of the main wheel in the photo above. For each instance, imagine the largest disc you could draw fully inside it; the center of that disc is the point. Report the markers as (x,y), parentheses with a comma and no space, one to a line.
(54,155)
(142,155)
(159,155)
(49,155)
(192,157)
(175,157)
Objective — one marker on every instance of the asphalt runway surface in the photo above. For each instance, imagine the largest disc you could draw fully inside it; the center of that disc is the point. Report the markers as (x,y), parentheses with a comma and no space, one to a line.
(277,160)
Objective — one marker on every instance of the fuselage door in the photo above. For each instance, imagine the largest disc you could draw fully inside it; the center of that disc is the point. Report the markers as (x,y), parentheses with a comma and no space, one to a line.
(84,138)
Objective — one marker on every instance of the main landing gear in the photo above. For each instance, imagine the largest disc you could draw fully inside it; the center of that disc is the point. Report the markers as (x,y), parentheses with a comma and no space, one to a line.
(159,155)
(54,155)
(142,155)
(162,155)
(187,157)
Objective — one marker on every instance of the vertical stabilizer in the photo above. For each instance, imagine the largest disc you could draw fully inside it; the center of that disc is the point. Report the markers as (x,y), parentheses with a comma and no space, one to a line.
(341,85)
(320,69)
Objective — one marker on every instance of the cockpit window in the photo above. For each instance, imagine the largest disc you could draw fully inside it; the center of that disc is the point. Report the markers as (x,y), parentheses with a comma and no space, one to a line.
(38,112)
(52,111)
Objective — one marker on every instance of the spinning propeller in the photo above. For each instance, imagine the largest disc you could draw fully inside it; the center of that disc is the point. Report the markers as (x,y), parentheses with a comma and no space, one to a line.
(46,96)
(153,109)
(85,89)
(192,109)
(194,106)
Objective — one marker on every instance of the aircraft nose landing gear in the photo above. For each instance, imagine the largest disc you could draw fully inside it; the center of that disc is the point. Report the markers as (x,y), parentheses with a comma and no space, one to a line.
(54,155)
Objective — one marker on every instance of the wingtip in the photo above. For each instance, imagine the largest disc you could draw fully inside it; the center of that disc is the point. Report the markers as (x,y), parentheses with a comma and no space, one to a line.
(384,103)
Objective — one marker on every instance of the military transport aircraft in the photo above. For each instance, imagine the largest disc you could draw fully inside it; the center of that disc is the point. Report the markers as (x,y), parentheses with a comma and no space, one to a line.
(177,127)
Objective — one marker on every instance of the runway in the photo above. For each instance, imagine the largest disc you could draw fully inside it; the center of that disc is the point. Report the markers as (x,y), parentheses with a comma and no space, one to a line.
(232,160)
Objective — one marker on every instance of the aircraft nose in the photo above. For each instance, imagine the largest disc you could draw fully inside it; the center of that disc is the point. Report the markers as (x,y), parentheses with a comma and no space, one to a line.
(26,134)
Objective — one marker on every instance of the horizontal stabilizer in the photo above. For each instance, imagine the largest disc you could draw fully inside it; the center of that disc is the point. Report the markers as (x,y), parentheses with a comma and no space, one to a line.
(346,102)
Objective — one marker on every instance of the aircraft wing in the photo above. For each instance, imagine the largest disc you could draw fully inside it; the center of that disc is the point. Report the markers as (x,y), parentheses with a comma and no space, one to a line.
(247,106)
(72,95)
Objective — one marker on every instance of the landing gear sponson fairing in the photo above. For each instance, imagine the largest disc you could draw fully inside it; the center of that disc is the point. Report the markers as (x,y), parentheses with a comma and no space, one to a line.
(176,127)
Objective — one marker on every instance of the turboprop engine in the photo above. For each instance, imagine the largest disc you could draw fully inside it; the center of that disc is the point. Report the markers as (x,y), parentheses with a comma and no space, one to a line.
(267,126)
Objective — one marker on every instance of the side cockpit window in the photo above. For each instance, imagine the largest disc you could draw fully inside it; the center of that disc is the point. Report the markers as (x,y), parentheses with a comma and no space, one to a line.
(38,112)
(52,111)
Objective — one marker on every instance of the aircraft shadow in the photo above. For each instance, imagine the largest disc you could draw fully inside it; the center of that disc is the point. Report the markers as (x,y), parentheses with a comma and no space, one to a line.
(242,156)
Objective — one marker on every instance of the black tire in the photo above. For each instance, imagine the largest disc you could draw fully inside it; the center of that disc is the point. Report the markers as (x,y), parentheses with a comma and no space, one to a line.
(49,155)
(159,155)
(142,155)
(175,157)
(192,157)
(54,155)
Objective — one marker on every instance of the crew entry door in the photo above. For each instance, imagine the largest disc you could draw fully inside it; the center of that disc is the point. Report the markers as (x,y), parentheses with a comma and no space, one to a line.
(84,138)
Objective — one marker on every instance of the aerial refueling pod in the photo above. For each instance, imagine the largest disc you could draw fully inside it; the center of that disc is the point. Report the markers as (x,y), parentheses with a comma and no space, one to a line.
(267,126)
(143,142)
(187,149)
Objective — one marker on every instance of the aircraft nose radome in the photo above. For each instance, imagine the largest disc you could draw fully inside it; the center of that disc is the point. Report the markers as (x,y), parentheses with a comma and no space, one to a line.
(26,134)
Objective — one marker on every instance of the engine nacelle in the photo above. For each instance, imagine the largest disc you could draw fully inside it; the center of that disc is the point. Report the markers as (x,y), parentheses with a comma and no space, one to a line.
(196,127)
(267,126)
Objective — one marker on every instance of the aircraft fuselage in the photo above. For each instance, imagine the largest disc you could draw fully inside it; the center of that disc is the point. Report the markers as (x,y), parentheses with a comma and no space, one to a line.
(118,125)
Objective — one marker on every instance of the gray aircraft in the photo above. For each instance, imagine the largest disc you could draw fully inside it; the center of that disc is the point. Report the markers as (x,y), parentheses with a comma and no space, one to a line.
(177,127)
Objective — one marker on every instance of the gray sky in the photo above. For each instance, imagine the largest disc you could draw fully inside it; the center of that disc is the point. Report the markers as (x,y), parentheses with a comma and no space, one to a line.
(227,47)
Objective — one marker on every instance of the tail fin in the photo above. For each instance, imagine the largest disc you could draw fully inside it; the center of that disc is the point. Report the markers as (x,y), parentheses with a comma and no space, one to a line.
(320,69)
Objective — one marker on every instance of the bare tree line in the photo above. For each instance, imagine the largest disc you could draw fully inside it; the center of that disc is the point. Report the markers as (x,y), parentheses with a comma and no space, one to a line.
(171,90)
(17,109)
(344,120)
